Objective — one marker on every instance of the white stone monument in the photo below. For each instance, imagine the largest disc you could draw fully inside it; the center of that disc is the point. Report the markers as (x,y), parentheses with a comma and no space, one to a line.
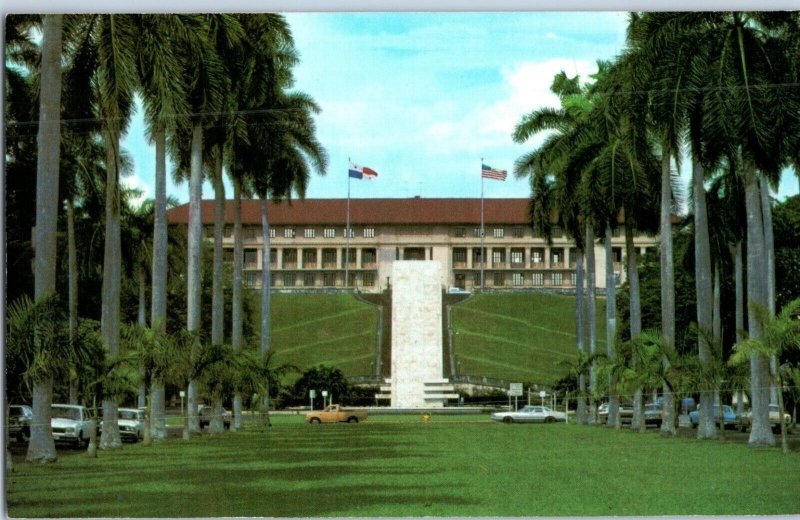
(416,380)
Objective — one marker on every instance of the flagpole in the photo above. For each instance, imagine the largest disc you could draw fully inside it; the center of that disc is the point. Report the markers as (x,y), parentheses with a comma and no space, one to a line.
(483,232)
(347,230)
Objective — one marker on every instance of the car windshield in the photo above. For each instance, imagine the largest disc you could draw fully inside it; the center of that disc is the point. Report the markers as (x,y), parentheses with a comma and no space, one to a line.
(131,415)
(73,414)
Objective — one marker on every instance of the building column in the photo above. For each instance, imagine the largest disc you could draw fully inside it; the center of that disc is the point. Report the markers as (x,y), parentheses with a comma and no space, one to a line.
(547,258)
(319,258)
(279,258)
(358,258)
(508,257)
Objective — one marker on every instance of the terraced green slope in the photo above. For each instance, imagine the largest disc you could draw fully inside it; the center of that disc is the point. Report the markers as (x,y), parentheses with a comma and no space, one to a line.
(334,329)
(517,337)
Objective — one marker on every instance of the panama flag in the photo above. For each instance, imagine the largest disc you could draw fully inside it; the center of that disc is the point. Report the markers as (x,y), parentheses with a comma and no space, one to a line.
(362,172)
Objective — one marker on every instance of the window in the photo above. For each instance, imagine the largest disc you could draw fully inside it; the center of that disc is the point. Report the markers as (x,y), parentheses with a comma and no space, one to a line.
(350,254)
(309,258)
(289,257)
(459,255)
(349,233)
(617,254)
(228,231)
(329,279)
(309,232)
(368,257)
(309,279)
(250,258)
(289,279)
(573,279)
(273,256)
(617,232)
(252,232)
(227,255)
(498,232)
(352,279)
(498,256)
(477,256)
(537,256)
(558,278)
(476,279)
(573,256)
(328,258)
(369,279)
(272,233)
(557,232)
(556,256)
(499,279)
(517,279)
(329,233)
(477,232)
(289,232)
(538,278)
(460,232)
(252,279)
(369,232)
(518,232)
(517,257)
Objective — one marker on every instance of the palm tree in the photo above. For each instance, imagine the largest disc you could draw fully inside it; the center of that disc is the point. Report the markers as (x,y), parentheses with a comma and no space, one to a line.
(779,334)
(555,190)
(41,447)
(158,56)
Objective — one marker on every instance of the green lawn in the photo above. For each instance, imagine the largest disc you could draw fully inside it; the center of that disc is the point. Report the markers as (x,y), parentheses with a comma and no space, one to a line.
(518,336)
(334,329)
(399,466)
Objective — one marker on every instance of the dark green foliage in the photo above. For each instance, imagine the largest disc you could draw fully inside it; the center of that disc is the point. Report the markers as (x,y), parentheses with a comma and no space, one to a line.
(319,378)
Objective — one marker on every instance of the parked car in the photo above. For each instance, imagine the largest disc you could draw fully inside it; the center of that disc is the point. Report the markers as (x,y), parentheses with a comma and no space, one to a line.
(205,412)
(625,413)
(730,419)
(130,424)
(653,414)
(541,414)
(745,421)
(19,421)
(335,414)
(70,423)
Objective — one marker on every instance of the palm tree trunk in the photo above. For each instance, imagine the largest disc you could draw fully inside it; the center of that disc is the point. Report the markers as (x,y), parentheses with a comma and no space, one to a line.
(142,320)
(667,285)
(217,296)
(706,429)
(579,333)
(636,319)
(591,318)
(41,447)
(760,432)
(265,280)
(739,282)
(194,282)
(216,425)
(158,301)
(112,264)
(716,334)
(236,311)
(611,328)
(265,296)
(769,247)
(72,253)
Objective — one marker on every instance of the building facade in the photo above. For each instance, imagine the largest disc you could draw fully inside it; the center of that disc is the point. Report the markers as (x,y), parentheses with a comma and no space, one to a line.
(311,247)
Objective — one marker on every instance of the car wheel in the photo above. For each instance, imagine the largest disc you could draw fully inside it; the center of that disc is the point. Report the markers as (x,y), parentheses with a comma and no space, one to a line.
(508,420)
(352,419)
(549,419)
(80,443)
(314,420)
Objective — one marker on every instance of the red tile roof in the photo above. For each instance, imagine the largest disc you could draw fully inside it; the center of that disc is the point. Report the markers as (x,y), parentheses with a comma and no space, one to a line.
(369,211)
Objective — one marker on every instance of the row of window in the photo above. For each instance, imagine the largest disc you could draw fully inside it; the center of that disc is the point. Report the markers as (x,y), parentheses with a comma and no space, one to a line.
(254,232)
(290,279)
(499,279)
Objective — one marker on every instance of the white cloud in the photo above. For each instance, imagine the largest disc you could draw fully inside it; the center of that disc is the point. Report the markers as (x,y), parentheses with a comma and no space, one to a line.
(551,36)
(134,182)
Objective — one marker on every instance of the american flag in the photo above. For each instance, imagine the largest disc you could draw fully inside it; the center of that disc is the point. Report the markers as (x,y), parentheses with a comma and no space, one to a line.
(487,172)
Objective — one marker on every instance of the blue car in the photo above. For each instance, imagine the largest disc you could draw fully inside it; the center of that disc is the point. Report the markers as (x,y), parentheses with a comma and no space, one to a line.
(728,415)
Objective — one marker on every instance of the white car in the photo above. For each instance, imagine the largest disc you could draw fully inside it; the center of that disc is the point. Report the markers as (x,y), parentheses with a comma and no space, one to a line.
(70,423)
(541,414)
(130,424)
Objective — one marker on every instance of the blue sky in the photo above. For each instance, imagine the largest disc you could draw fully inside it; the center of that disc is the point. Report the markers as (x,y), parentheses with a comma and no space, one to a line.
(422,97)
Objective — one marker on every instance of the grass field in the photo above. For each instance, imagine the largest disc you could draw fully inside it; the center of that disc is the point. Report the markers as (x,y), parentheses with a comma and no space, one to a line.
(399,466)
(334,329)
(518,336)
